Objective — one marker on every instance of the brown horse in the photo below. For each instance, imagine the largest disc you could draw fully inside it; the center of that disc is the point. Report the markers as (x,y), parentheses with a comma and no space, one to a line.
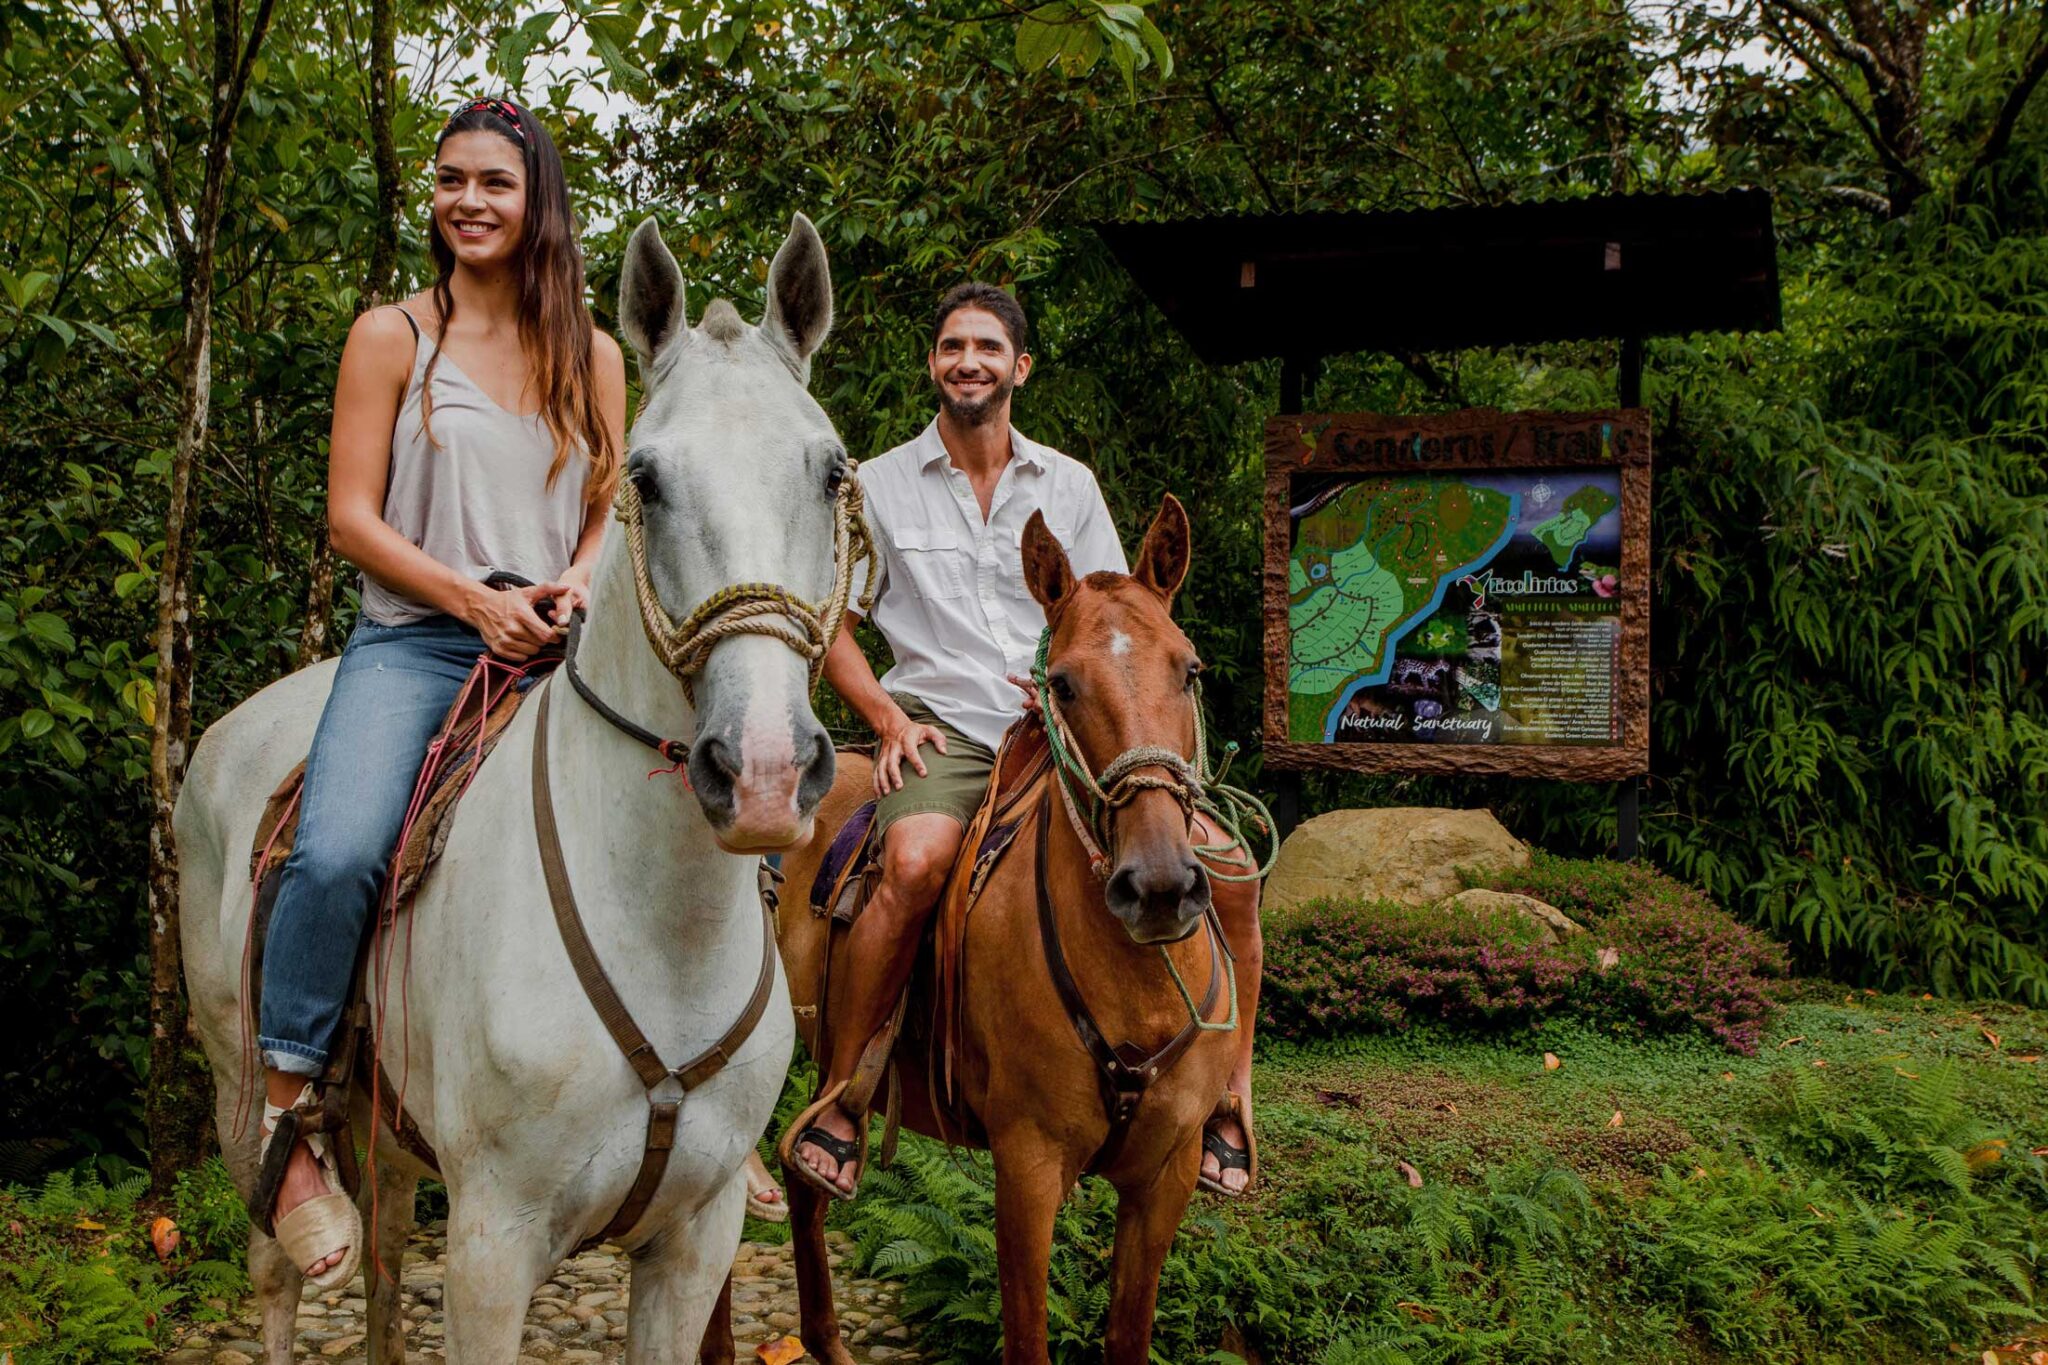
(1122,676)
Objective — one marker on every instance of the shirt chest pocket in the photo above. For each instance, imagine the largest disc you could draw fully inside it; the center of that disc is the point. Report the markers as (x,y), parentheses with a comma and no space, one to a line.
(934,560)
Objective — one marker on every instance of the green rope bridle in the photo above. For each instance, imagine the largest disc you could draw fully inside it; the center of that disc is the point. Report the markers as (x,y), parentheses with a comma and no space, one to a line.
(1190,782)
(752,608)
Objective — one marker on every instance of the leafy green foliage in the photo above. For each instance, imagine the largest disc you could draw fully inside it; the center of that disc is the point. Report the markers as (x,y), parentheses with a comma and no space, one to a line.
(1756,1209)
(78,1282)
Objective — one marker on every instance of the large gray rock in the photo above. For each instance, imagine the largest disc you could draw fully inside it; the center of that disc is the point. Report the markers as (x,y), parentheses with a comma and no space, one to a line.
(1552,925)
(1401,853)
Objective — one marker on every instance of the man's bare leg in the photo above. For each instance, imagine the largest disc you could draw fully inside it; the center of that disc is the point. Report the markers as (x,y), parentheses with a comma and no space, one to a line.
(302,1176)
(1237,907)
(917,857)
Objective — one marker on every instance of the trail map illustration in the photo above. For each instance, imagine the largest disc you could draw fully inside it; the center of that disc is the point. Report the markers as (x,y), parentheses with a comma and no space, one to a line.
(1474,607)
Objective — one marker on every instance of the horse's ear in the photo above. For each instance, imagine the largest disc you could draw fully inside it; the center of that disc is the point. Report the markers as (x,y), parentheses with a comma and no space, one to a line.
(650,294)
(1046,571)
(799,296)
(1163,558)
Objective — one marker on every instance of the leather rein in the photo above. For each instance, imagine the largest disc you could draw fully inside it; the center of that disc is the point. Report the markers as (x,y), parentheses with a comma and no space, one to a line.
(740,609)
(1124,1071)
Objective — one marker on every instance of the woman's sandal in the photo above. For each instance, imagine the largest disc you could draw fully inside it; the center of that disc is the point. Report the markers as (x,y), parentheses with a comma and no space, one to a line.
(768,1204)
(804,1130)
(1229,1158)
(320,1226)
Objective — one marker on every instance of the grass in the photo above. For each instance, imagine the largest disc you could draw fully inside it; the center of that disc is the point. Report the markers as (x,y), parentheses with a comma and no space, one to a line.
(1865,1188)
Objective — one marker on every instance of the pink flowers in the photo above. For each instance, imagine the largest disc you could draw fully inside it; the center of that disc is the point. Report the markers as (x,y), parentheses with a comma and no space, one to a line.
(1658,957)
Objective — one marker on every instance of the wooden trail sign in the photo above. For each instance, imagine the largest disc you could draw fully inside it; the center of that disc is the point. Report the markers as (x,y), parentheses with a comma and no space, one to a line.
(1466,593)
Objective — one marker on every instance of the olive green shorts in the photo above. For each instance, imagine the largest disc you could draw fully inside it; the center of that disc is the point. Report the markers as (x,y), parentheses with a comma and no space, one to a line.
(954,782)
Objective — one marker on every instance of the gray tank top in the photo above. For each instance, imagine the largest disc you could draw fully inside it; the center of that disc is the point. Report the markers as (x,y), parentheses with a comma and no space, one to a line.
(480,501)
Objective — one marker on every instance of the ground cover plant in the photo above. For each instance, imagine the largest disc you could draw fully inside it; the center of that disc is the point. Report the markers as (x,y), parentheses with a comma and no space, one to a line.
(1868,1186)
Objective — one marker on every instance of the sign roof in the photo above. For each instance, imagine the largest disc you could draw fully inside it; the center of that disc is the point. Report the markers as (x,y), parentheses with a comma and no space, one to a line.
(1307,285)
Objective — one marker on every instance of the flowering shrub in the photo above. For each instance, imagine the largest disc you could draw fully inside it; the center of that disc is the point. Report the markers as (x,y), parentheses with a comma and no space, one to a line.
(1657,956)
(1343,966)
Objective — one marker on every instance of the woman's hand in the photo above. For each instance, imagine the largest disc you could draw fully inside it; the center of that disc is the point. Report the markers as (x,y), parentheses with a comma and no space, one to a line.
(575,592)
(899,745)
(506,618)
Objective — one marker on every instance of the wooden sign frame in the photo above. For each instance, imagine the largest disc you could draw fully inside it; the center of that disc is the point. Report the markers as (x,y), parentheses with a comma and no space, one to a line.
(1476,439)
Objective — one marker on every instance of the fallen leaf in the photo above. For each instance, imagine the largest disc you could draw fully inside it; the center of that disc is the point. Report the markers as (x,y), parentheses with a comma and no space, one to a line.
(2029,1058)
(1818,1214)
(1615,1122)
(2041,1151)
(1799,1038)
(1926,995)
(87,1225)
(1820,1061)
(1550,1061)
(1607,959)
(1333,1098)
(1909,1075)
(1699,1173)
(1984,1154)
(1995,1044)
(1420,1312)
(781,1351)
(164,1236)
(1868,991)
(1990,1358)
(1447,1107)
(1880,1030)
(1414,1176)
(15,1229)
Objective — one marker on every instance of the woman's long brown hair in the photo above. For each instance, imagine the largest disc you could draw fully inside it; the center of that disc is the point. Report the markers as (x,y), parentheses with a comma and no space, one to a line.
(554,322)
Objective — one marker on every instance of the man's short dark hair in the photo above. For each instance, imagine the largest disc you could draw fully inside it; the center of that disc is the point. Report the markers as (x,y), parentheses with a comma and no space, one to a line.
(989,299)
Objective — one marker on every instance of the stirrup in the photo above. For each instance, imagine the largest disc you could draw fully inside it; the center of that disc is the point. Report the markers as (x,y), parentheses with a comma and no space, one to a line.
(1229,1158)
(804,1129)
(317,1227)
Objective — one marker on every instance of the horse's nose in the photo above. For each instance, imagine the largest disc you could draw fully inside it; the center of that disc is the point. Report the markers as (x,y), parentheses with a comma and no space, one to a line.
(760,789)
(818,769)
(1159,900)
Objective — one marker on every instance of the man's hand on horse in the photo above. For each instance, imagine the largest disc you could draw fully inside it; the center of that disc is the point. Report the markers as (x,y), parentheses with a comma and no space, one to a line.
(1030,691)
(899,746)
(511,628)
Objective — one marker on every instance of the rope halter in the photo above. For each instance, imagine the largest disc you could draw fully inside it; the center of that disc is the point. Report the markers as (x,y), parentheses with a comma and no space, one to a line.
(752,608)
(1193,785)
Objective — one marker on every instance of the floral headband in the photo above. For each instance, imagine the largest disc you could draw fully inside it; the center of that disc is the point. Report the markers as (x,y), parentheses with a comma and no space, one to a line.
(504,109)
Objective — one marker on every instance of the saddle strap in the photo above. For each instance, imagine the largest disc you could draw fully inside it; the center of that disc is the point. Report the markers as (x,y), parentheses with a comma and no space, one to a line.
(1123,1071)
(663,1116)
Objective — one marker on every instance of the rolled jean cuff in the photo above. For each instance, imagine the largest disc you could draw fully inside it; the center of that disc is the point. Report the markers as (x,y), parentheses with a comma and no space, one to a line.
(294,1059)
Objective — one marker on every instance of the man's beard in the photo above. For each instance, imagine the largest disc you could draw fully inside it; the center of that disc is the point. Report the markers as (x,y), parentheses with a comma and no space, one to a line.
(978,411)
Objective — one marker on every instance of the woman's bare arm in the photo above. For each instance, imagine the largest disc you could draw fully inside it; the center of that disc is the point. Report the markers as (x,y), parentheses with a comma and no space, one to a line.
(376,365)
(608,365)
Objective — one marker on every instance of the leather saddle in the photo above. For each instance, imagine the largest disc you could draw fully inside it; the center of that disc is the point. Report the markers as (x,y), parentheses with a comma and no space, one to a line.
(470,731)
(849,873)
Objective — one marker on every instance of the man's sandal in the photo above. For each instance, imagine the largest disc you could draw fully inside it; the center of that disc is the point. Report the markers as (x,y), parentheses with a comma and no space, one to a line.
(320,1226)
(1228,1157)
(804,1131)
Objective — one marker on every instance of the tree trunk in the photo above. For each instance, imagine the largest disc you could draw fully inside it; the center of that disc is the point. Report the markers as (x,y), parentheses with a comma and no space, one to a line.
(176,1105)
(378,281)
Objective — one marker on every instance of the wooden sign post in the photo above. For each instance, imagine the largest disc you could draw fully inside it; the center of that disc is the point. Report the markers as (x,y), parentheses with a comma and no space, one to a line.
(1466,593)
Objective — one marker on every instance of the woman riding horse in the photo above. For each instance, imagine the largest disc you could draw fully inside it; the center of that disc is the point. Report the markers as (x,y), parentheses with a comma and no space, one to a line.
(477,430)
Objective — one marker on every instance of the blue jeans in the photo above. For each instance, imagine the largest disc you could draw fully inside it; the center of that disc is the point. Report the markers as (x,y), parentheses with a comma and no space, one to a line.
(392,691)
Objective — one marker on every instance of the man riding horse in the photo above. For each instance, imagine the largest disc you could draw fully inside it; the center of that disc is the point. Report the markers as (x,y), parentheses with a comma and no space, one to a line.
(947,513)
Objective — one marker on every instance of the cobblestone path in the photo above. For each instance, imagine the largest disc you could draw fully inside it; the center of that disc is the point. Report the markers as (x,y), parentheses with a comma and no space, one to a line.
(577,1318)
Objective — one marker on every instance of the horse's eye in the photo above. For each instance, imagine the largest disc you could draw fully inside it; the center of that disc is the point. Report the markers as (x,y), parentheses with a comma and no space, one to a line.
(1194,675)
(835,480)
(644,481)
(1061,688)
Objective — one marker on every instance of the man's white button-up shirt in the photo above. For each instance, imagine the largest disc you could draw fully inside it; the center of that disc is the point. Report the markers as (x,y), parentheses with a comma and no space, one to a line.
(951,601)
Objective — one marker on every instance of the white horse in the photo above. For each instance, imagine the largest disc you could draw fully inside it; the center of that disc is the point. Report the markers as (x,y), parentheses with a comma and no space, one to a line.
(537,1118)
